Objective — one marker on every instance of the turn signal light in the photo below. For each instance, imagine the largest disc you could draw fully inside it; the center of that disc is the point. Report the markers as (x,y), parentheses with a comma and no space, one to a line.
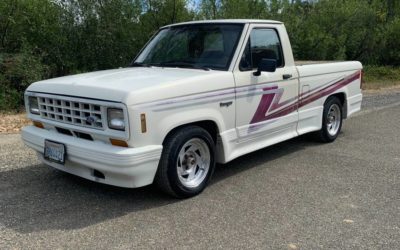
(38,124)
(118,143)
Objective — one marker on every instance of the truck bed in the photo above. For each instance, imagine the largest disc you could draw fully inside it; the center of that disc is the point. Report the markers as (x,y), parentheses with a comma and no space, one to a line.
(314,68)
(302,63)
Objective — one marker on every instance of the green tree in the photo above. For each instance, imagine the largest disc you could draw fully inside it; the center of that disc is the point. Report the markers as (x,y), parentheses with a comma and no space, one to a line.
(48,38)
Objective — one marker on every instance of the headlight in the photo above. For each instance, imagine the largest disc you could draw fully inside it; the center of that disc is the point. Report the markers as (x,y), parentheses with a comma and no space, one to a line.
(116,119)
(33,105)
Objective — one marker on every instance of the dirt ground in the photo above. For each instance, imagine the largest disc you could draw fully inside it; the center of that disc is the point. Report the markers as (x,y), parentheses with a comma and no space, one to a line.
(12,123)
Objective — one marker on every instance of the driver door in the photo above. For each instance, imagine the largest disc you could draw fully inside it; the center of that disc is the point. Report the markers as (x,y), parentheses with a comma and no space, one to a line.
(266,105)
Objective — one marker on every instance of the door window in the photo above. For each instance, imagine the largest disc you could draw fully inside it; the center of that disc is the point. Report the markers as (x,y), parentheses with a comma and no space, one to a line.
(262,44)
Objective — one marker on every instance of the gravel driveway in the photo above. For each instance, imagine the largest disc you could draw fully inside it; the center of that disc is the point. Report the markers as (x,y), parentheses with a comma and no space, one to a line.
(294,195)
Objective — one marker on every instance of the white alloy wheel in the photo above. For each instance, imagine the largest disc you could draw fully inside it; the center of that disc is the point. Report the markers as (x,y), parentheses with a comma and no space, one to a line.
(193,162)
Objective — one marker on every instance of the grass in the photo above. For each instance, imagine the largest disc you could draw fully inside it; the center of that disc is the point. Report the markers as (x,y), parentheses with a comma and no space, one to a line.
(379,77)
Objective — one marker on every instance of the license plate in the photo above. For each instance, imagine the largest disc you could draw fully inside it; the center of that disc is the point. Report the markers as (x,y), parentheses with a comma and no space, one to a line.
(54,151)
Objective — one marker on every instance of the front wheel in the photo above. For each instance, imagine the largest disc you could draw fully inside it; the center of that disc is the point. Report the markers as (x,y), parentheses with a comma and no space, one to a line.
(332,120)
(187,162)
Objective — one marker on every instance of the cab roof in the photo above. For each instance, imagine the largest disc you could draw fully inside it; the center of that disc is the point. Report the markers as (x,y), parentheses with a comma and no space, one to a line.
(240,21)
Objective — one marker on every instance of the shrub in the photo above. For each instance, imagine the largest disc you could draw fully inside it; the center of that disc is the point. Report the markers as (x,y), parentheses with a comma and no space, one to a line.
(17,71)
(381,73)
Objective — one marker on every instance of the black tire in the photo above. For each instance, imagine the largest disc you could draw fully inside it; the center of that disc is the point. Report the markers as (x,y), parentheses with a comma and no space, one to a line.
(324,135)
(167,173)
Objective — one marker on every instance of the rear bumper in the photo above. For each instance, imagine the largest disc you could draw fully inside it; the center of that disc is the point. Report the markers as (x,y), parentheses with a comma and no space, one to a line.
(123,167)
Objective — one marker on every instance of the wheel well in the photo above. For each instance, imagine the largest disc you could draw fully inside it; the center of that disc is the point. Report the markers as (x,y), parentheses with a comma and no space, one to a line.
(342,97)
(210,126)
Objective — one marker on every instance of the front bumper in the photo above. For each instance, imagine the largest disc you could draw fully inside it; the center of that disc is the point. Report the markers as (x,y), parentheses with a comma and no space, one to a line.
(123,167)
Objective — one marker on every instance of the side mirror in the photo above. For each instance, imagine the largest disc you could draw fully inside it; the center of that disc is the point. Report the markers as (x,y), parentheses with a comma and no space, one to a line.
(267,65)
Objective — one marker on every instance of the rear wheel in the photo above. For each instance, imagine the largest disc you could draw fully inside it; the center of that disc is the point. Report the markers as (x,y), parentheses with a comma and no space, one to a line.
(332,120)
(187,162)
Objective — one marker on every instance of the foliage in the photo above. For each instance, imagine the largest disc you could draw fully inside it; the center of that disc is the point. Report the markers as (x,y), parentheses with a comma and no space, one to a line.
(378,73)
(17,71)
(377,77)
(49,38)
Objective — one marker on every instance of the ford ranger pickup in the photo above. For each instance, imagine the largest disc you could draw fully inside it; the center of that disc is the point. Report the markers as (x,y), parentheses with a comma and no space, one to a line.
(198,93)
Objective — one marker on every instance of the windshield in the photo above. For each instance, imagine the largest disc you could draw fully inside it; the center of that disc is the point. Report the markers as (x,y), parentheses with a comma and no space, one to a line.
(207,46)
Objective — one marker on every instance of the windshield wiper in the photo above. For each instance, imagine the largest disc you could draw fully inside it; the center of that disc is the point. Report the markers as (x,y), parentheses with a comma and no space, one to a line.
(137,64)
(181,64)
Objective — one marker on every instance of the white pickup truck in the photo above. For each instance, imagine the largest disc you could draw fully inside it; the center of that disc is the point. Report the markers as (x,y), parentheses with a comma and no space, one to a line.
(199,93)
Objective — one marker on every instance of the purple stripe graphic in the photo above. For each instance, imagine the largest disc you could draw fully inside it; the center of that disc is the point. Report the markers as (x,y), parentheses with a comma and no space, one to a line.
(270,102)
(264,105)
(329,90)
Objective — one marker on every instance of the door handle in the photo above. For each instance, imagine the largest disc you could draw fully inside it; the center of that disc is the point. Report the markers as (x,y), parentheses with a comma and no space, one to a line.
(225,104)
(286,76)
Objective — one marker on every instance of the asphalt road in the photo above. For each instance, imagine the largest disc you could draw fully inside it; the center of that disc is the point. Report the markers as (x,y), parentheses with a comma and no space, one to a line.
(295,195)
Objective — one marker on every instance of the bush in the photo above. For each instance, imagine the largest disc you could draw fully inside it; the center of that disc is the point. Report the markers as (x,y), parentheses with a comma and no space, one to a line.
(48,38)
(381,73)
(391,51)
(10,99)
(17,71)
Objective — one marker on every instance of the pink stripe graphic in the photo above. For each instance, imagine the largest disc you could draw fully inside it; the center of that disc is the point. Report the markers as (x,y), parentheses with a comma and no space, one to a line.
(270,102)
(264,105)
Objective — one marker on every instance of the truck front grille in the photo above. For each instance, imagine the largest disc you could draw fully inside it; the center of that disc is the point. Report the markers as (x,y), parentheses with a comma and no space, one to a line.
(77,113)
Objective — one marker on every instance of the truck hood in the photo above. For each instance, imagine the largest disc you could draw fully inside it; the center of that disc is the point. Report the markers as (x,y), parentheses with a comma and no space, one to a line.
(135,85)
